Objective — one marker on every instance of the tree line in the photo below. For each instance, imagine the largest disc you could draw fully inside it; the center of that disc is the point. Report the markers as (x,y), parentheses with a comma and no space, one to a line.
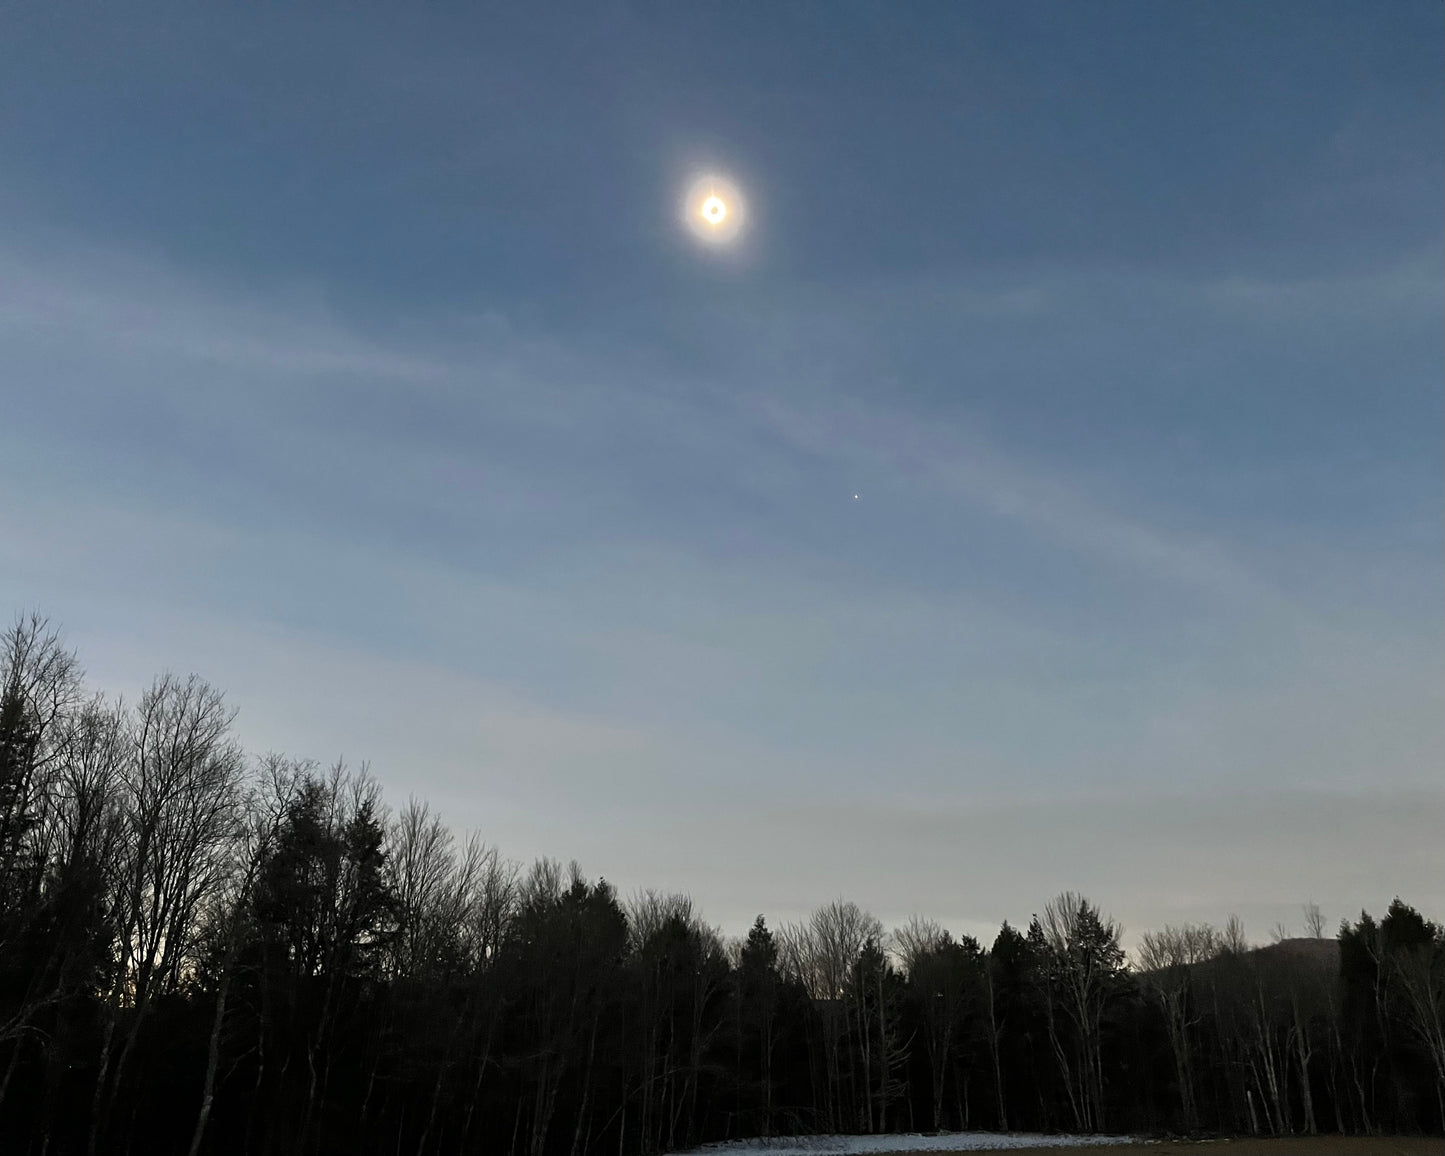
(204,952)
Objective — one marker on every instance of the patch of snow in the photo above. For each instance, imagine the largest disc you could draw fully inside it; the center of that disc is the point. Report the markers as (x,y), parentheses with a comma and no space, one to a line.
(904,1142)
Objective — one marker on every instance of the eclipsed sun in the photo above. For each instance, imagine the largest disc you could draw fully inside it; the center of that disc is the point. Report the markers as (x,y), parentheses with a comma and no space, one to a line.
(714,209)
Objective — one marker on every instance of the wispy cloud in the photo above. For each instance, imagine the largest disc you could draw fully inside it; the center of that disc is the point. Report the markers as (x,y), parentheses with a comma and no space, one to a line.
(134,306)
(1411,289)
(1045,502)
(126,308)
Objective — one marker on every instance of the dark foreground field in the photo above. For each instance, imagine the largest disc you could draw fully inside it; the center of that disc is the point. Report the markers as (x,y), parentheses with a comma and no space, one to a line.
(1285,1146)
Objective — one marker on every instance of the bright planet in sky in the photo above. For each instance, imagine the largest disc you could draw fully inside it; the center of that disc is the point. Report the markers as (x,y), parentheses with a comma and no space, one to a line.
(714,209)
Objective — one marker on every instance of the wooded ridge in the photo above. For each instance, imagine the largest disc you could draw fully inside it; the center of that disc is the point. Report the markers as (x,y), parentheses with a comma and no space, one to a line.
(202,951)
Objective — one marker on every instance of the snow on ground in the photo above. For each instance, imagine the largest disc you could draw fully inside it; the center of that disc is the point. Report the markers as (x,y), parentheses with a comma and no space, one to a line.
(909,1142)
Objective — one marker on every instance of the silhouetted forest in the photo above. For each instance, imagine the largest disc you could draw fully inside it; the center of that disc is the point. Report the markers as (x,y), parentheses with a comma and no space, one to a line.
(205,952)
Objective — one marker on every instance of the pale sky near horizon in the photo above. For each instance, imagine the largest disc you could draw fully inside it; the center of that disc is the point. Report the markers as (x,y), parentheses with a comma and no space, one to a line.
(357,360)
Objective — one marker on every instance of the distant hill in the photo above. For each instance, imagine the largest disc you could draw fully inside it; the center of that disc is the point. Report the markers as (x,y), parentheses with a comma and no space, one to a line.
(1325,952)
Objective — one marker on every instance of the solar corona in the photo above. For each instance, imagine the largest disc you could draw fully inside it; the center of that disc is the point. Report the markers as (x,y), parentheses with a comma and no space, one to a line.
(714,209)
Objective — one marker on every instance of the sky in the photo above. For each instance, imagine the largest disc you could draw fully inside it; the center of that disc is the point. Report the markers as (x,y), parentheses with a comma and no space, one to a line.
(357,358)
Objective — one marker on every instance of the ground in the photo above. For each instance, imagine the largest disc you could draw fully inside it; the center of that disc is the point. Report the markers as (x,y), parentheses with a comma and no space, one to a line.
(1254,1146)
(913,1145)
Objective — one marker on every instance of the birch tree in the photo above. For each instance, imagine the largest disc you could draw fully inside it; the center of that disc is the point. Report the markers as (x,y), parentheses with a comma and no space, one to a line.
(1085,971)
(1168,960)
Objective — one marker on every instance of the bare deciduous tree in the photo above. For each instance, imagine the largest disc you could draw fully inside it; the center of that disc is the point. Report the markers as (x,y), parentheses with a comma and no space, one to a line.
(1086,962)
(821,954)
(946,978)
(1232,938)
(180,800)
(422,875)
(39,688)
(917,938)
(1168,960)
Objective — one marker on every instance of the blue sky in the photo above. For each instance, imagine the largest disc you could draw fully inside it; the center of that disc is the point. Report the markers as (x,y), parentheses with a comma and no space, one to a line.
(357,360)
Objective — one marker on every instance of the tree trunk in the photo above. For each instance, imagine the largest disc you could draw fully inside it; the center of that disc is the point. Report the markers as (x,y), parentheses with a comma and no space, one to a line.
(213,1060)
(586,1091)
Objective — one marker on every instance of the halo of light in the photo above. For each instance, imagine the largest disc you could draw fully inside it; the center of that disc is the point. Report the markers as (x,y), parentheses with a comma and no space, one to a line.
(714,209)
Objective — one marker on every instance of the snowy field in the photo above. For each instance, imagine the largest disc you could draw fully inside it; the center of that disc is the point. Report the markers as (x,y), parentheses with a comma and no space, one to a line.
(907,1142)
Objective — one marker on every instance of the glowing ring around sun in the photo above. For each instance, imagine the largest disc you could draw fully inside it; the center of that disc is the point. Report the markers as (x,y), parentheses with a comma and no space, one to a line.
(714,209)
